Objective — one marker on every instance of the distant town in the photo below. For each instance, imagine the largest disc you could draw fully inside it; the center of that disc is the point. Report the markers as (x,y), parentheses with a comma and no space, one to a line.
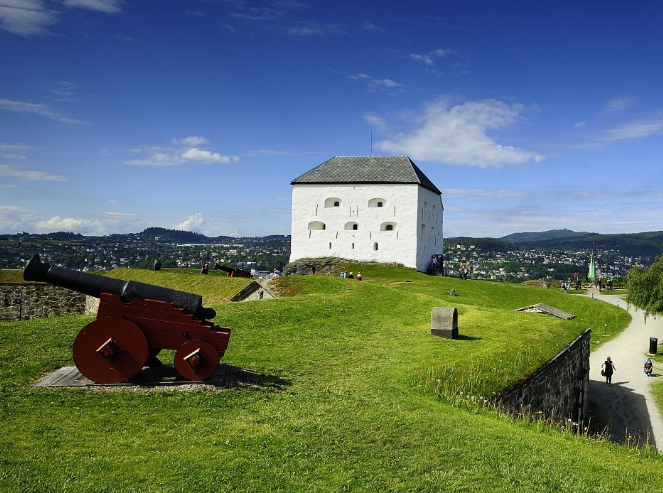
(485,258)
(141,250)
(523,264)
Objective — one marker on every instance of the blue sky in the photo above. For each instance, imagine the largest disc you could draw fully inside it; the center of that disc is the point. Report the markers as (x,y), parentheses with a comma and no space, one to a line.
(120,115)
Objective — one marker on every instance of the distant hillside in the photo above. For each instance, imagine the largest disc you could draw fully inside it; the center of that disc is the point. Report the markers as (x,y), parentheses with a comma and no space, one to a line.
(485,244)
(553,234)
(177,236)
(648,244)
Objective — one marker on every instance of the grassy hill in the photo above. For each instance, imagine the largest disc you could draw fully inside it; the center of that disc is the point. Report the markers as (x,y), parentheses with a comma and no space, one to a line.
(355,396)
(215,287)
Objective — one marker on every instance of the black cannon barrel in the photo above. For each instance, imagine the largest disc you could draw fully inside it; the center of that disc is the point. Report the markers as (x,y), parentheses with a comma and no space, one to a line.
(94,285)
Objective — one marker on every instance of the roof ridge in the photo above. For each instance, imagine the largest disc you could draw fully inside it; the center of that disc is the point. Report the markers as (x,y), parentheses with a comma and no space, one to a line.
(367,169)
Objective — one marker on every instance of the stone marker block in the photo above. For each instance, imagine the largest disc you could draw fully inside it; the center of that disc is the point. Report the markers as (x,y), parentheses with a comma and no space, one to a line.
(444,322)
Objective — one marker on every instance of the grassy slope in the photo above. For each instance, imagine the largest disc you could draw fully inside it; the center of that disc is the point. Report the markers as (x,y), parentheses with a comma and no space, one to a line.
(215,287)
(11,275)
(351,402)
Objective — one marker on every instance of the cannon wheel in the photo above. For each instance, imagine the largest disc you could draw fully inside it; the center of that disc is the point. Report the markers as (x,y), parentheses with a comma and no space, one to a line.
(196,360)
(110,350)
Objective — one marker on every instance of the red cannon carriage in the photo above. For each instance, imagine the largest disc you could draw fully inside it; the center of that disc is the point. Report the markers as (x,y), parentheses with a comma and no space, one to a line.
(134,322)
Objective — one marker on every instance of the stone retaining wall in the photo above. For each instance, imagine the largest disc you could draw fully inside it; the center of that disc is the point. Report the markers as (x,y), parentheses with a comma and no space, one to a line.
(558,389)
(25,301)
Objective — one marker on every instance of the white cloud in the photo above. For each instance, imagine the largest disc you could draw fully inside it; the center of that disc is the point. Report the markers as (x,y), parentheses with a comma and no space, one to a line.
(618,104)
(15,218)
(579,124)
(374,84)
(182,151)
(316,29)
(75,225)
(429,58)
(489,194)
(202,156)
(30,175)
(105,6)
(191,141)
(26,17)
(37,109)
(369,26)
(376,121)
(192,223)
(13,157)
(457,134)
(34,18)
(636,129)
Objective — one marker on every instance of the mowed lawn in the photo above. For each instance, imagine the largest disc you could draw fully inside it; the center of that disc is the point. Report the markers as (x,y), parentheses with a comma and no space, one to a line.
(356,395)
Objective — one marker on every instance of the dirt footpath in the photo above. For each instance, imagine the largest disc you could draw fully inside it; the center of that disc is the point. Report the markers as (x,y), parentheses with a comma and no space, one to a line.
(626,406)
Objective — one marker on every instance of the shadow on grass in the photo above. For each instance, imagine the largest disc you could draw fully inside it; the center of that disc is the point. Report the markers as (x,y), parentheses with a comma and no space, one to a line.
(226,376)
(463,337)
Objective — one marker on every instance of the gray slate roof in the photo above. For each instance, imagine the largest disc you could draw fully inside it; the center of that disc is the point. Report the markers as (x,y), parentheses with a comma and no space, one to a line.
(367,169)
(547,310)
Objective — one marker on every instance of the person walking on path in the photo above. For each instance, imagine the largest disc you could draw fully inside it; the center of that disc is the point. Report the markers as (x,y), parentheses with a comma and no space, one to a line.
(607,369)
(627,407)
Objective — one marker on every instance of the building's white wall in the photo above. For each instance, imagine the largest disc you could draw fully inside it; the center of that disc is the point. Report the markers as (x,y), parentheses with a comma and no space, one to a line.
(401,209)
(429,227)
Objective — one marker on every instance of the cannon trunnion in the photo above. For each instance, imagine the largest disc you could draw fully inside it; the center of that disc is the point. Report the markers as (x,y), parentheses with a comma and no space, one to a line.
(130,331)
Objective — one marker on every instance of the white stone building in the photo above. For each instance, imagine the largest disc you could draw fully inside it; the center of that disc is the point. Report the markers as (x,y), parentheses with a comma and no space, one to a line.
(368,209)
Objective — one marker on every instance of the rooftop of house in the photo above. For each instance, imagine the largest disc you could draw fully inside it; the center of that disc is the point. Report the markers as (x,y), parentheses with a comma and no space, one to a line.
(367,169)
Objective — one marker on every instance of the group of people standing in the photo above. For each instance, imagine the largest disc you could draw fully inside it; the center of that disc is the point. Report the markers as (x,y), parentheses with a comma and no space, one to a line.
(344,275)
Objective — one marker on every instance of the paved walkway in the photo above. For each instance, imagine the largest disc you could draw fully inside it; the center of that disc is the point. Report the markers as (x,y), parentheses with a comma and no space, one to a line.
(626,405)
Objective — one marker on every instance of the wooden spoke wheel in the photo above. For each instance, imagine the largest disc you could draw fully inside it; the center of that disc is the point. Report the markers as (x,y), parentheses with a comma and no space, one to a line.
(110,350)
(196,360)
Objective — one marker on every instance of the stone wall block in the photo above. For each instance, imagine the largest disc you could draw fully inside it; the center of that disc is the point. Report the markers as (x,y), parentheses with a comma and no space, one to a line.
(559,388)
(444,322)
(26,301)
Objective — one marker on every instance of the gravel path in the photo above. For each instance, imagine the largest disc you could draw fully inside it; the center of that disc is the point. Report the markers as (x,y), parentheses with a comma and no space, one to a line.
(626,406)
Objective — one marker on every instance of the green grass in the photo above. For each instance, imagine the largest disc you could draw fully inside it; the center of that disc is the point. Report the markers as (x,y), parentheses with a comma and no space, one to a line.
(614,292)
(350,402)
(214,287)
(12,276)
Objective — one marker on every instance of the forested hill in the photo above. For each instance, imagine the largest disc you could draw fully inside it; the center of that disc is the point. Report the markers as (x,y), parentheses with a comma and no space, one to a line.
(553,234)
(177,236)
(649,244)
(485,244)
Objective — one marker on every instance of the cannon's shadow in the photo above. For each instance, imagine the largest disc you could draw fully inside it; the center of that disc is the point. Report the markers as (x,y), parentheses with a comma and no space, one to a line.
(161,377)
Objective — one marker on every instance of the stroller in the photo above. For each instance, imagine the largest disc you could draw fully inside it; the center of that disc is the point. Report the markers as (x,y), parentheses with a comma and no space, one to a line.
(649,367)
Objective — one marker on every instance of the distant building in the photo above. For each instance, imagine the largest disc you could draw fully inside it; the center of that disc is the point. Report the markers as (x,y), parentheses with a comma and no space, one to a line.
(368,209)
